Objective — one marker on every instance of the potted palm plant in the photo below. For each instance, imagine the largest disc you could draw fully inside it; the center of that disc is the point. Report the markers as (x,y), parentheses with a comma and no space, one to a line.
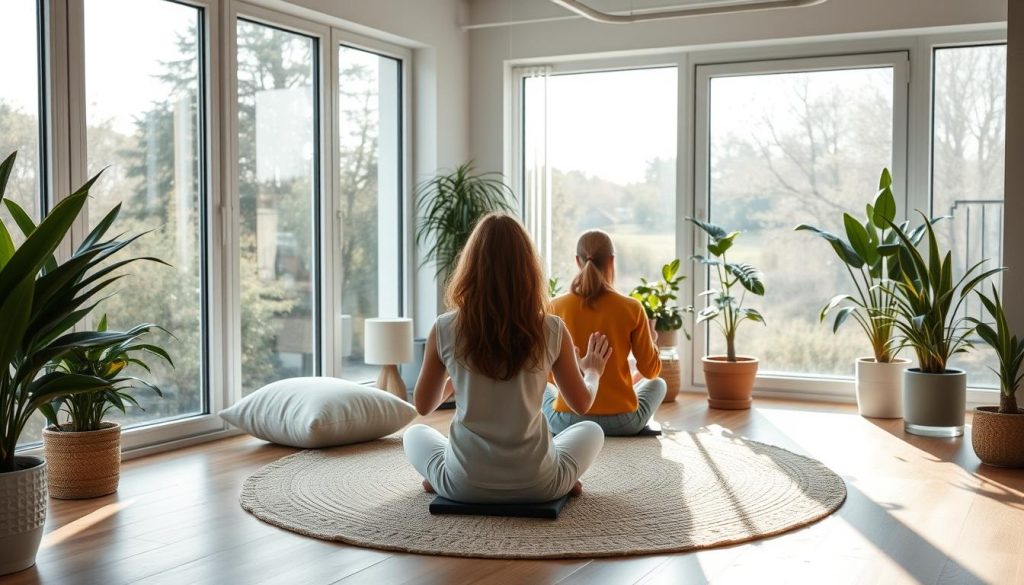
(41,300)
(998,431)
(666,318)
(84,452)
(730,378)
(928,318)
(879,378)
(449,206)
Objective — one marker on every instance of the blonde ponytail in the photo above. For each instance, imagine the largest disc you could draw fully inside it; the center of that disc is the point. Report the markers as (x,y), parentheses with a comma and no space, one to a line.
(594,252)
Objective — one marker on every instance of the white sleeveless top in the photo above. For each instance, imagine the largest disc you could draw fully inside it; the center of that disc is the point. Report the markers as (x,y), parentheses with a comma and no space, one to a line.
(499,438)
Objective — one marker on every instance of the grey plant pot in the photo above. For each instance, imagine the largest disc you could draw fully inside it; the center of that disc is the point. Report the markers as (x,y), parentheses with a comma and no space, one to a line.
(934,405)
(22,514)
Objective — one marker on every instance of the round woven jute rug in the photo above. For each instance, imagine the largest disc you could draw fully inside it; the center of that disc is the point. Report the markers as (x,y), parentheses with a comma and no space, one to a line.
(678,492)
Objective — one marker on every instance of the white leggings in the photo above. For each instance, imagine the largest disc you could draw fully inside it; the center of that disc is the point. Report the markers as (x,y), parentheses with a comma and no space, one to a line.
(576,448)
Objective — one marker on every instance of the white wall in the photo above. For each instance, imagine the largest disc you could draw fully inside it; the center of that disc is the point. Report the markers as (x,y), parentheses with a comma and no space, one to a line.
(492,47)
(440,91)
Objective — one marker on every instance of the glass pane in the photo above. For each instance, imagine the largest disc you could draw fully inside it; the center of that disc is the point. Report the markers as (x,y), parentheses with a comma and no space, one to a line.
(277,165)
(143,125)
(786,149)
(20,128)
(370,257)
(967,182)
(19,108)
(612,165)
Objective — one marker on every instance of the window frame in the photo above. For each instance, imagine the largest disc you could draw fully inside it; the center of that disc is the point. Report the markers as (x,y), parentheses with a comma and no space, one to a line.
(915,148)
(900,63)
(323,180)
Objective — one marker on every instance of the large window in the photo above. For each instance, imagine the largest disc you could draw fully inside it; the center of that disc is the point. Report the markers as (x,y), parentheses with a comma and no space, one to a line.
(788,147)
(600,152)
(369,195)
(145,127)
(968,139)
(278,189)
(20,126)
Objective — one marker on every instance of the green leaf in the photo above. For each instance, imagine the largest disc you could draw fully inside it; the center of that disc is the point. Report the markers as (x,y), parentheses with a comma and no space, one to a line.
(6,245)
(885,202)
(858,237)
(845,252)
(841,317)
(713,231)
(753,315)
(748,276)
(5,172)
(832,304)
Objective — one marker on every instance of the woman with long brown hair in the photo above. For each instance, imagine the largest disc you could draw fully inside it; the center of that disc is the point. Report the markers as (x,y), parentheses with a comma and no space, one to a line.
(592,304)
(498,344)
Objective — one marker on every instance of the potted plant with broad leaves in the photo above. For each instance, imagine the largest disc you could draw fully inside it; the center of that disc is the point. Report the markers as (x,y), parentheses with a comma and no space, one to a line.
(658,299)
(730,378)
(41,300)
(998,431)
(929,320)
(872,305)
(83,453)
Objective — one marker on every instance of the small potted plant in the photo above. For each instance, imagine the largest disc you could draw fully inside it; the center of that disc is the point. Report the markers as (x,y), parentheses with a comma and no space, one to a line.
(84,452)
(41,301)
(879,378)
(928,318)
(666,317)
(998,431)
(730,378)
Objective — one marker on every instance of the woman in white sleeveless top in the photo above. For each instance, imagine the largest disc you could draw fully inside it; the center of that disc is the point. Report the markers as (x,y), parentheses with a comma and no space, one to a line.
(498,345)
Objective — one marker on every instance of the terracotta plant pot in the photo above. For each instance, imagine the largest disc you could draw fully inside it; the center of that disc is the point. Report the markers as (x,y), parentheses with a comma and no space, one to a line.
(668,338)
(934,405)
(730,384)
(880,387)
(83,464)
(22,514)
(998,439)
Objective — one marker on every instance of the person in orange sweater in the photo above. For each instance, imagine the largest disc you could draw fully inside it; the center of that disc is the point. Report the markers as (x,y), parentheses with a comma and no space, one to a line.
(593,305)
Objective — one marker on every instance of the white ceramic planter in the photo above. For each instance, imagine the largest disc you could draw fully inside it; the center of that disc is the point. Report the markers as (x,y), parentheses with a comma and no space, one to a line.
(880,387)
(22,514)
(934,405)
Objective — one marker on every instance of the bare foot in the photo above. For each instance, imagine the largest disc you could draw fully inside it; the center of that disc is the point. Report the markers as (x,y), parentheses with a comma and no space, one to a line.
(428,488)
(576,489)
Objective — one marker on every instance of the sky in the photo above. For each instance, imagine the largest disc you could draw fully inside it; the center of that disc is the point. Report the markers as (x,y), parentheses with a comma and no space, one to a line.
(122,54)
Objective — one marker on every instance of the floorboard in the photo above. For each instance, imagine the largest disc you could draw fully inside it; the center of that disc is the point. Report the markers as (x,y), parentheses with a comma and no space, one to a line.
(919,510)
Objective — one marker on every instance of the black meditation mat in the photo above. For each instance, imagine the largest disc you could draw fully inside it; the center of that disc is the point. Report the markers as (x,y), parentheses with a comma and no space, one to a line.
(549,510)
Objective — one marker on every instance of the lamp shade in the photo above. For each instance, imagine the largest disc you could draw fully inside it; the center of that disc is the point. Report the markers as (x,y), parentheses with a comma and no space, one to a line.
(387,341)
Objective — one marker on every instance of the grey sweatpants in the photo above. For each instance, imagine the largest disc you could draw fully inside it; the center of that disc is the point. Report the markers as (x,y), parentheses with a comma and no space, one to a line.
(649,394)
(576,448)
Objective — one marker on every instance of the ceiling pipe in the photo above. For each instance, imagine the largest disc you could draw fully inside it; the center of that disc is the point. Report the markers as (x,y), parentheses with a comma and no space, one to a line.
(595,15)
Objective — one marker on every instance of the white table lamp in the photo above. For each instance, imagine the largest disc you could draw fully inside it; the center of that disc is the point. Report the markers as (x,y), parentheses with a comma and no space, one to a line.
(387,343)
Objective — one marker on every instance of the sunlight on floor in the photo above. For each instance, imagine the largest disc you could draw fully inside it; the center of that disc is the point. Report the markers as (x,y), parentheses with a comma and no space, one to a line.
(69,530)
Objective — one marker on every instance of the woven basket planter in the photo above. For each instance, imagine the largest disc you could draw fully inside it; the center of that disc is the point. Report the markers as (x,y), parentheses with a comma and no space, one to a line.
(83,464)
(998,439)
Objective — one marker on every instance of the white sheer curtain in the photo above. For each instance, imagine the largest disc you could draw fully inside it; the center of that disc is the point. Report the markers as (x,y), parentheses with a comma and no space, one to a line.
(536,172)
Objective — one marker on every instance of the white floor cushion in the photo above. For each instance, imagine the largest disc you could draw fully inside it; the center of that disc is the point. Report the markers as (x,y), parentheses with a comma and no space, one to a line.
(319,412)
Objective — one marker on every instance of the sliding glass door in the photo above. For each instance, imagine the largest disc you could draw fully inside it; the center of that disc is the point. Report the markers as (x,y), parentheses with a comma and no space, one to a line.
(599,152)
(278,191)
(369,195)
(145,130)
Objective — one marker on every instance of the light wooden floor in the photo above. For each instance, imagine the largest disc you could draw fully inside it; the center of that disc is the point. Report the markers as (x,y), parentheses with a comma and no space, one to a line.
(919,511)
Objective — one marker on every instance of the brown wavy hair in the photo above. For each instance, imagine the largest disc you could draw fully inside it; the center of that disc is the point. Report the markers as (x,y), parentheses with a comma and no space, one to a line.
(594,251)
(499,290)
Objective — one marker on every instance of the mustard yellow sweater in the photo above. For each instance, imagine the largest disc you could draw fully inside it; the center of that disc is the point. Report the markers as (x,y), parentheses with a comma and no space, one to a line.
(624,322)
